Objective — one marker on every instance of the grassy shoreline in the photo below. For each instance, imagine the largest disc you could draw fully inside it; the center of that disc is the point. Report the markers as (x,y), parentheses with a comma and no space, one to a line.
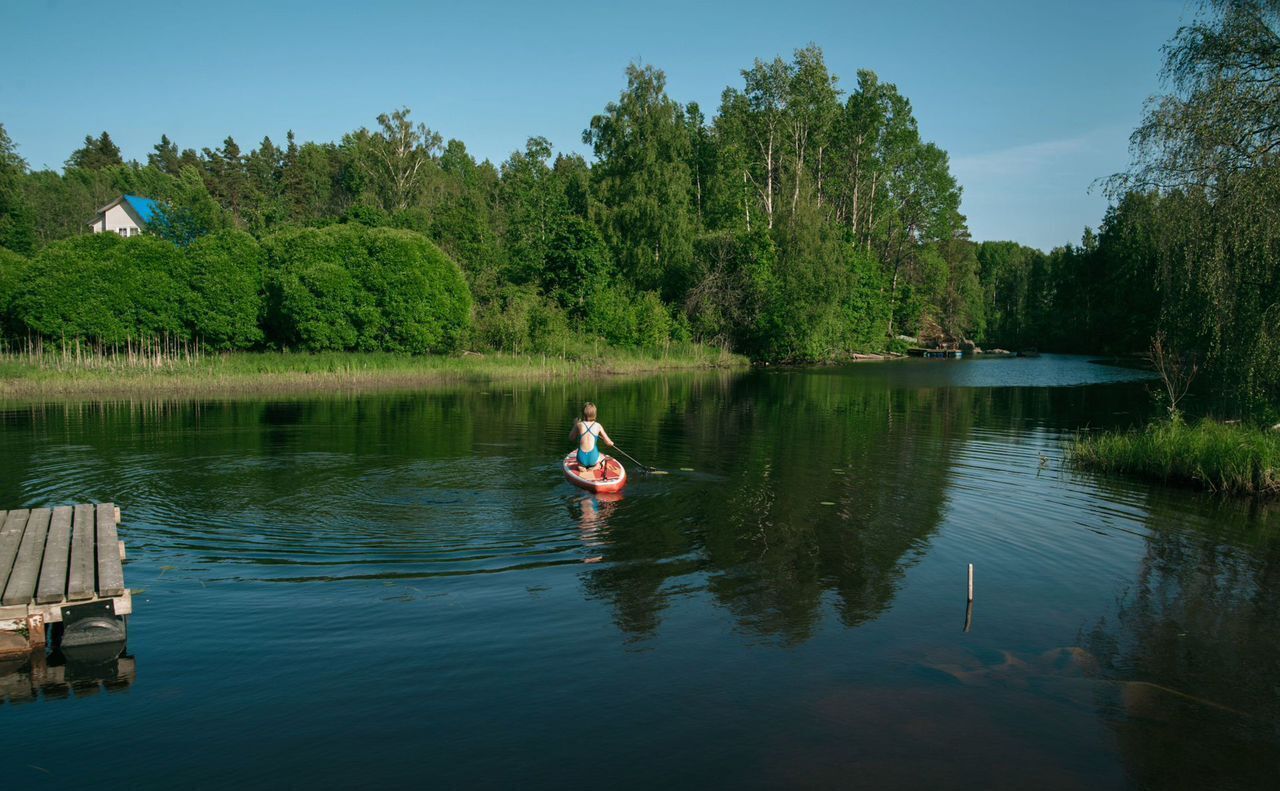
(1225,458)
(26,377)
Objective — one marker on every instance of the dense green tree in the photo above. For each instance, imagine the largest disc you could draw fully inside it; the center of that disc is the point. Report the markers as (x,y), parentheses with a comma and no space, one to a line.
(786,147)
(1003,269)
(1126,290)
(642,147)
(228,180)
(577,262)
(264,167)
(960,305)
(308,181)
(166,157)
(464,217)
(703,164)
(815,300)
(17,223)
(727,302)
(1211,146)
(924,212)
(534,207)
(189,212)
(623,317)
(96,153)
(573,180)
(64,204)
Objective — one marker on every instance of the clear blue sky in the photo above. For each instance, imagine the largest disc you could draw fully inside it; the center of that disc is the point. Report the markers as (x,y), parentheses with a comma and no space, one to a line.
(1033,100)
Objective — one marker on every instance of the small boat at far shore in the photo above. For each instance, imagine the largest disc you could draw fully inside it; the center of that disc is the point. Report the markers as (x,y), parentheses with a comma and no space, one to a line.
(608,476)
(935,354)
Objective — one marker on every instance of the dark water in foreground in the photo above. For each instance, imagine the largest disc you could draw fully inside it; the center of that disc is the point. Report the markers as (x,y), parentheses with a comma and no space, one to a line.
(395,589)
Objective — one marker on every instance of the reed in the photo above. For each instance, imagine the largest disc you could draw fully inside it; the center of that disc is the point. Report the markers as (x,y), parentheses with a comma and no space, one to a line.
(79,355)
(38,369)
(1230,458)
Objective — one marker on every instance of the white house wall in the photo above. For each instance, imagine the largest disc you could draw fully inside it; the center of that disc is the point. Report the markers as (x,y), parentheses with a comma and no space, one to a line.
(115,219)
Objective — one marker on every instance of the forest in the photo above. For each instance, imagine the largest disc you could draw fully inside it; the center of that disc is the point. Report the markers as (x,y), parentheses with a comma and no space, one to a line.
(806,219)
(1189,251)
(802,222)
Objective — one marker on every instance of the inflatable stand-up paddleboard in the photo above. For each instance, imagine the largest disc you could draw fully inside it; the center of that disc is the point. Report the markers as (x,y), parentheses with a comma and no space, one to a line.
(608,476)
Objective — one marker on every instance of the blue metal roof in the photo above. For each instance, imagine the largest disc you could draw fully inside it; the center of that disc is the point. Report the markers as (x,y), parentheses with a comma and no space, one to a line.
(145,207)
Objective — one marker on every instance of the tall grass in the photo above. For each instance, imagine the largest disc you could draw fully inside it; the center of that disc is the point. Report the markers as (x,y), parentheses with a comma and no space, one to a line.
(78,355)
(1221,457)
(37,369)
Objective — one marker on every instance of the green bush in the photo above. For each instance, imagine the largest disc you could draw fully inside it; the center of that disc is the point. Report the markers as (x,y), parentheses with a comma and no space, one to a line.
(350,287)
(624,318)
(227,299)
(653,322)
(106,289)
(610,314)
(519,321)
(13,269)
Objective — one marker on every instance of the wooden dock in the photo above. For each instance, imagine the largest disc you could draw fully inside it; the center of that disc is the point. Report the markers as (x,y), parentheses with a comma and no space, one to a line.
(61,566)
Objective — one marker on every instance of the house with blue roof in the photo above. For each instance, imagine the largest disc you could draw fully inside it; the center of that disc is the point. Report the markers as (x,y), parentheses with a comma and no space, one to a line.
(127,215)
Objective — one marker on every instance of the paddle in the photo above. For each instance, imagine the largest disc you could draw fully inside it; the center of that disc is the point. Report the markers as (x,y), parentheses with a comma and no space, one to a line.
(645,467)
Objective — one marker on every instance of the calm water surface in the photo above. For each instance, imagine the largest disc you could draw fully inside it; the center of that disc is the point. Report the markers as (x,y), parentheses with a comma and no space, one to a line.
(402,589)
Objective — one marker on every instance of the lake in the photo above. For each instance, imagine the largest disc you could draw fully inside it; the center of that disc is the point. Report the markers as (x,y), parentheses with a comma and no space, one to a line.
(402,589)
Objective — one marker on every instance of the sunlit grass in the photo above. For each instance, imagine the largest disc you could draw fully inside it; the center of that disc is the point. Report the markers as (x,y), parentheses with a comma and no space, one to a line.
(183,370)
(1228,458)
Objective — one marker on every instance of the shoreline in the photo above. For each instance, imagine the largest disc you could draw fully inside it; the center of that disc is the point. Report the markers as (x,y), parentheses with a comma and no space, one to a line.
(255,374)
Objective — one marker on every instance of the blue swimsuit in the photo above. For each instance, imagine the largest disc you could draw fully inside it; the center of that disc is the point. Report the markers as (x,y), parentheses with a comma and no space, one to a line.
(589,458)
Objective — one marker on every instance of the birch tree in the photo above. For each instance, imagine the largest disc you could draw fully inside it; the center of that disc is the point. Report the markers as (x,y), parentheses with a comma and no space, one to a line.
(757,115)
(396,156)
(811,106)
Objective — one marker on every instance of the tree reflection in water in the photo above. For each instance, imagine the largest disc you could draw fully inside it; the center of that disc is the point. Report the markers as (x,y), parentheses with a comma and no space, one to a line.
(1196,649)
(840,499)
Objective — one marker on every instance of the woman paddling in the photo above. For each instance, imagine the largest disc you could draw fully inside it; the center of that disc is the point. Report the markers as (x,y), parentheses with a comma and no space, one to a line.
(588,433)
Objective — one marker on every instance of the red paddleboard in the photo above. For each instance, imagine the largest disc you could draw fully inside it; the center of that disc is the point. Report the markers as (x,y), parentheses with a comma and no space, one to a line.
(608,476)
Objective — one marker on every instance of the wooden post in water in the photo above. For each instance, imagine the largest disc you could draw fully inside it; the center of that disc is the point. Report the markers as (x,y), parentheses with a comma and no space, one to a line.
(968,610)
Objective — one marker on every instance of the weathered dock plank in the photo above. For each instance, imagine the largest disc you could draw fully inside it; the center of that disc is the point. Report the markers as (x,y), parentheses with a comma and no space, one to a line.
(80,579)
(52,587)
(110,570)
(11,531)
(64,566)
(26,567)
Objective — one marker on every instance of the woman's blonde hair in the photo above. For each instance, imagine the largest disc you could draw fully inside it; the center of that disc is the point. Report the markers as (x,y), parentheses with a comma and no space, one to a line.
(588,411)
